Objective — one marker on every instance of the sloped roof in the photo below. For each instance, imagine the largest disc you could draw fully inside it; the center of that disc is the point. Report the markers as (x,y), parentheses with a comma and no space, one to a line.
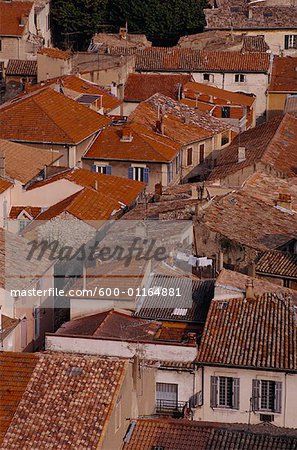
(191,89)
(254,44)
(11,15)
(15,373)
(247,17)
(119,188)
(21,67)
(48,116)
(23,162)
(32,211)
(280,264)
(4,184)
(191,307)
(182,123)
(233,333)
(141,86)
(55,53)
(256,220)
(146,145)
(68,402)
(182,434)
(187,60)
(283,75)
(273,143)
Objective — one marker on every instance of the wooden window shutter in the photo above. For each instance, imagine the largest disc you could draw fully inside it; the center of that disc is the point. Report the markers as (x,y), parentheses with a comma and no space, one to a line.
(236,392)
(93,168)
(146,171)
(108,170)
(214,392)
(130,173)
(278,397)
(286,42)
(256,395)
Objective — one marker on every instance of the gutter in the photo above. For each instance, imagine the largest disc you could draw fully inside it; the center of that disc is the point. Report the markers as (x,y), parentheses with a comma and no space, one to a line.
(233,366)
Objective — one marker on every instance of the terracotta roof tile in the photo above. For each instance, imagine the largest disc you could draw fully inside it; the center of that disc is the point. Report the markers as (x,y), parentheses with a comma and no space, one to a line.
(15,373)
(21,67)
(145,145)
(272,143)
(23,162)
(181,434)
(48,116)
(247,17)
(192,89)
(67,404)
(11,14)
(119,188)
(284,75)
(254,44)
(188,60)
(277,263)
(141,86)
(4,184)
(256,219)
(55,53)
(32,211)
(182,123)
(233,334)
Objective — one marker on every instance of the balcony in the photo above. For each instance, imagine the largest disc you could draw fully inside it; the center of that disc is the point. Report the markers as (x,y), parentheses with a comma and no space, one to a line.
(170,408)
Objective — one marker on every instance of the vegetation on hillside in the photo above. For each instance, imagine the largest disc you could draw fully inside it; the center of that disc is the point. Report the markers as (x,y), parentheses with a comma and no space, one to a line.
(75,21)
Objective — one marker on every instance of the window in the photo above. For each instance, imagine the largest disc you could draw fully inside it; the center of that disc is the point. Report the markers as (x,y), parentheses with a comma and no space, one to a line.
(224,392)
(138,173)
(290,41)
(208,77)
(225,112)
(169,173)
(0,45)
(287,283)
(166,397)
(177,164)
(239,78)
(104,168)
(189,156)
(224,139)
(266,395)
(201,153)
(23,223)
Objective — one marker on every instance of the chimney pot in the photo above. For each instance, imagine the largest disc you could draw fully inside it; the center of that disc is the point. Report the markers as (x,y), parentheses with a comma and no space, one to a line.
(241,154)
(250,293)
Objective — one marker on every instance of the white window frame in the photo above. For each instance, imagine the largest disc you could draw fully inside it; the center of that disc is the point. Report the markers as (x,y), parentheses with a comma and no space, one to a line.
(241,78)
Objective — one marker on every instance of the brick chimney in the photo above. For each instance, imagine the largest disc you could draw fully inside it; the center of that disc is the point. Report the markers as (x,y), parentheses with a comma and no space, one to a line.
(127,134)
(241,154)
(250,293)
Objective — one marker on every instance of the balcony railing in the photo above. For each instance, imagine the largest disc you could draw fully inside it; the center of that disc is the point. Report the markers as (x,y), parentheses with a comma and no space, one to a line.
(170,407)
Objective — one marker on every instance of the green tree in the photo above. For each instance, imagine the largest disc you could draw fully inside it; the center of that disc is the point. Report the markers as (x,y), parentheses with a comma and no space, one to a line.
(74,22)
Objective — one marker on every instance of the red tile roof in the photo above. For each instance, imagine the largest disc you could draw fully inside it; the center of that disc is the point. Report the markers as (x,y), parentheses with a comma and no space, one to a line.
(181,434)
(145,145)
(141,86)
(122,326)
(55,53)
(48,116)
(4,184)
(272,143)
(256,220)
(15,373)
(110,186)
(253,333)
(284,75)
(32,211)
(67,404)
(279,264)
(11,14)
(188,60)
(21,67)
(192,89)
(182,123)
(23,162)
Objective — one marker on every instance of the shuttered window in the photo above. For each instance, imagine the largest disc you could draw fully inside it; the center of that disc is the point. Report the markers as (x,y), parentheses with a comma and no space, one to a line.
(267,395)
(290,41)
(138,174)
(224,392)
(105,169)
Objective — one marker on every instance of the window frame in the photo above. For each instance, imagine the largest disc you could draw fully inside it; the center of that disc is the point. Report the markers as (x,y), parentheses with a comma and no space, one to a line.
(216,385)
(189,156)
(241,78)
(209,77)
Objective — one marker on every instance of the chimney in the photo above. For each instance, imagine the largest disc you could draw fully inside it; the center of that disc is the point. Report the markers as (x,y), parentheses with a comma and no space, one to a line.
(284,201)
(250,293)
(23,20)
(250,12)
(124,32)
(114,89)
(96,186)
(241,154)
(2,165)
(127,135)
